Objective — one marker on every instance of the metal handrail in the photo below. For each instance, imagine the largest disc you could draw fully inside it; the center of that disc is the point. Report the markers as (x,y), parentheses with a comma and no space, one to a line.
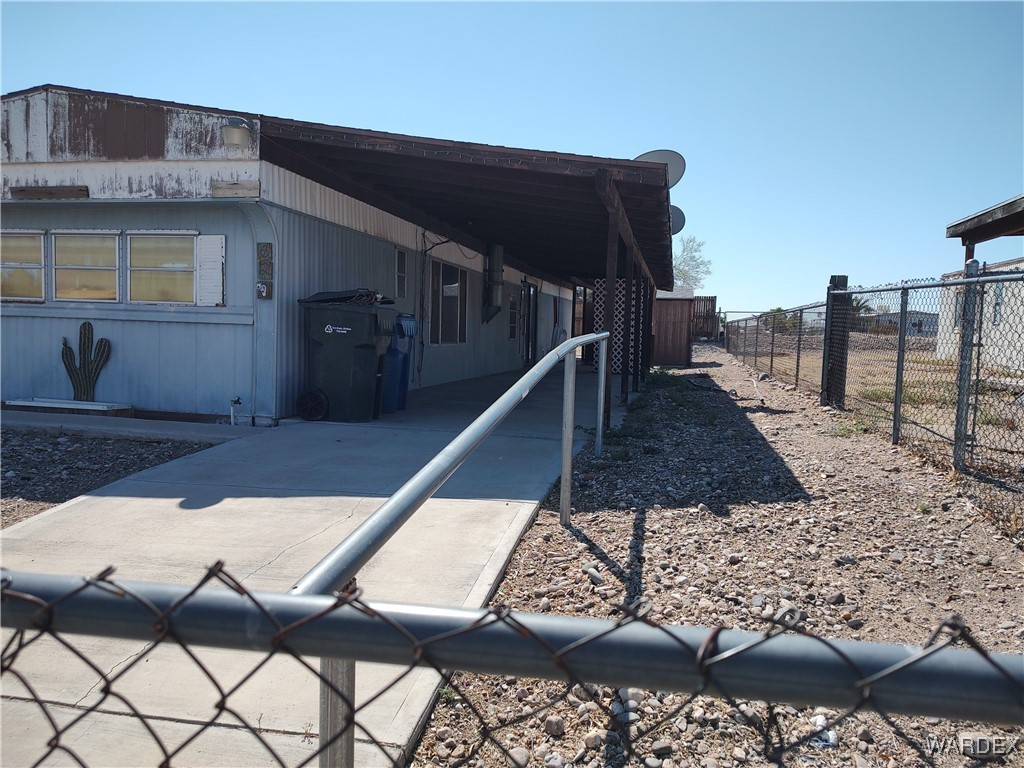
(342,563)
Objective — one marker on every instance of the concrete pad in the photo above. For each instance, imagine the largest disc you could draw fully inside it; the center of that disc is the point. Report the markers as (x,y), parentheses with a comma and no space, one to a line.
(271,504)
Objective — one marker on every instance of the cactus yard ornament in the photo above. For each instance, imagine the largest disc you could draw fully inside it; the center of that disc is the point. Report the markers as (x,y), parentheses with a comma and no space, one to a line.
(85,374)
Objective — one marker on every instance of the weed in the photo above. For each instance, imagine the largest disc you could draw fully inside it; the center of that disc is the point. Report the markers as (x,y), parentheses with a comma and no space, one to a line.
(846,429)
(447,695)
(877,395)
(307,733)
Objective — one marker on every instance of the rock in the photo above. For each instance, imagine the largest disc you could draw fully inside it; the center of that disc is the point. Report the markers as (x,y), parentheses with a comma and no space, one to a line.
(739,754)
(652,762)
(595,578)
(979,745)
(443,734)
(735,558)
(442,751)
(859,761)
(632,694)
(836,598)
(864,734)
(519,757)
(702,507)
(662,748)
(553,760)
(1008,625)
(554,725)
(594,739)
(854,623)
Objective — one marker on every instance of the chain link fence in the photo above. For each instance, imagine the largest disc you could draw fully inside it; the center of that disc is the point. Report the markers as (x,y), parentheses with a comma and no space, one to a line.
(788,345)
(939,365)
(65,703)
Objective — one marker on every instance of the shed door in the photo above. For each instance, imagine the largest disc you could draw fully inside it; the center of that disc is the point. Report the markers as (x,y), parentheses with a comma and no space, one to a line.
(672,323)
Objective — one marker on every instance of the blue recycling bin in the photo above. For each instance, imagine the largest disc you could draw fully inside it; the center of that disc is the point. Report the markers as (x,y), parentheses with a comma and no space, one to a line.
(398,365)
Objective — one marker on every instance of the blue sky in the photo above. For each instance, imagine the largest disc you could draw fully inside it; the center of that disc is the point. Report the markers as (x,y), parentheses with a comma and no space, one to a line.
(820,138)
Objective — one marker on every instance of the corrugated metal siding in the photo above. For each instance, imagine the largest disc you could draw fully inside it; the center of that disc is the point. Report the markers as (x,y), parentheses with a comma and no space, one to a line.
(185,359)
(298,193)
(313,256)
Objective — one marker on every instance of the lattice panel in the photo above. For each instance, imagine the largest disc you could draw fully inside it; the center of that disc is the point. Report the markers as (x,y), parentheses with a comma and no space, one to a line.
(619,348)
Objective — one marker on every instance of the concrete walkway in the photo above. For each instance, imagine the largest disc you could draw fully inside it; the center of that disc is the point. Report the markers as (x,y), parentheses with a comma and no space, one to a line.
(271,503)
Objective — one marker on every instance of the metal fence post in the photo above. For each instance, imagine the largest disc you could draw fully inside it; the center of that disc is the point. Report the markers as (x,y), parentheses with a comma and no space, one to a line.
(602,372)
(838,309)
(799,342)
(897,403)
(337,722)
(963,376)
(771,354)
(568,426)
(757,338)
(980,346)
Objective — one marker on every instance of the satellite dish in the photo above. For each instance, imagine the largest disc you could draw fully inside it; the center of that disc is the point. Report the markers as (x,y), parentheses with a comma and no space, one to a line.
(678,219)
(675,162)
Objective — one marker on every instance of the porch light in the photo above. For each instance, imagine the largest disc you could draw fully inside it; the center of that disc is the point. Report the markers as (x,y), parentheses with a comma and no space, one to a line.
(237,131)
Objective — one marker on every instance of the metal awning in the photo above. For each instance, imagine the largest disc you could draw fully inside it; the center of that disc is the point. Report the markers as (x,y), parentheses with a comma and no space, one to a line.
(1004,219)
(545,208)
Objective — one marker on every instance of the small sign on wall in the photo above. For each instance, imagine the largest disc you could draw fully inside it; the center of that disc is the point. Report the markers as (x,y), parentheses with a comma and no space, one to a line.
(264,261)
(264,270)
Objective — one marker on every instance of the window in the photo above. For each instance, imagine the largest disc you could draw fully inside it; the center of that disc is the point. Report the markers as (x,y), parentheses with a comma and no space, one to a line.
(85,267)
(513,317)
(161,269)
(448,294)
(21,266)
(146,267)
(401,261)
(997,303)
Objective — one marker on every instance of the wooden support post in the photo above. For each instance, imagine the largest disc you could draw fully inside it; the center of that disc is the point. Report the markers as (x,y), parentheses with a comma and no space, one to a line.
(645,367)
(638,324)
(611,269)
(627,327)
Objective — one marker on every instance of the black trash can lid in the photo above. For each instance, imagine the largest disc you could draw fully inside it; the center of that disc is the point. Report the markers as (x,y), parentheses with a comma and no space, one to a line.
(363,296)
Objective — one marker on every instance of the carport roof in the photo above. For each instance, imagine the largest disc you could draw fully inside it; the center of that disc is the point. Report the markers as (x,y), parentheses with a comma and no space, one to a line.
(545,208)
(1004,219)
(549,210)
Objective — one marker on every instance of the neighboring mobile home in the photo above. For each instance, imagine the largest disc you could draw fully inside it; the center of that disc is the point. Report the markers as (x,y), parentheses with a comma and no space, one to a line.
(187,236)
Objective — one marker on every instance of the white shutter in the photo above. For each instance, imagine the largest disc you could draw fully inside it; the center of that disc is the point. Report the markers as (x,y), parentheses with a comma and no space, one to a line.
(210,271)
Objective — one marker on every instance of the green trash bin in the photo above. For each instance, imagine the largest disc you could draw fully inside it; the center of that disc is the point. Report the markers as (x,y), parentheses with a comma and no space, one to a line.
(347,334)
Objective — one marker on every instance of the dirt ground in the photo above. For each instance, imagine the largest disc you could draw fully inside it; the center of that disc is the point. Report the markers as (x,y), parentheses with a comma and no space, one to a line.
(722,500)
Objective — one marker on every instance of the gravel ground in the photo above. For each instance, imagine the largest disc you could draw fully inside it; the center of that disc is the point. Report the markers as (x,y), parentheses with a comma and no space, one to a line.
(719,508)
(42,469)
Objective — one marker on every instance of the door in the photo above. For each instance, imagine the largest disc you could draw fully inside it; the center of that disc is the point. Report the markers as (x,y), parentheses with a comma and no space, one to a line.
(528,343)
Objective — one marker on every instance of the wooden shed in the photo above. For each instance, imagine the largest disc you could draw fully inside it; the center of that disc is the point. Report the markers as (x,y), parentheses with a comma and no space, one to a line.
(673,328)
